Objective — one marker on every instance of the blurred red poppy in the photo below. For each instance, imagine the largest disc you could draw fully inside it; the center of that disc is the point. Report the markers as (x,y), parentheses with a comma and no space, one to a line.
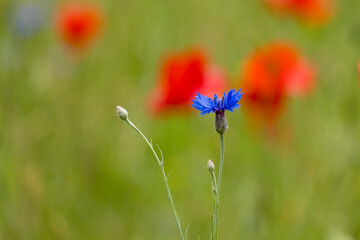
(181,76)
(271,75)
(314,11)
(78,23)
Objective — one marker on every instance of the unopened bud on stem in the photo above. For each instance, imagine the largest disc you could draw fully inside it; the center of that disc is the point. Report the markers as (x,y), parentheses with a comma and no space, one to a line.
(122,113)
(210,165)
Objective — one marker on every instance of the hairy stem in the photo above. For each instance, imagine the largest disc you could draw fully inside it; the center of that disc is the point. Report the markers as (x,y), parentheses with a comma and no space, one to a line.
(214,217)
(217,190)
(222,152)
(163,174)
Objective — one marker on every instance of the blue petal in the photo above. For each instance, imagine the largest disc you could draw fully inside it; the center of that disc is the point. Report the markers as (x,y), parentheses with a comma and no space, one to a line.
(207,105)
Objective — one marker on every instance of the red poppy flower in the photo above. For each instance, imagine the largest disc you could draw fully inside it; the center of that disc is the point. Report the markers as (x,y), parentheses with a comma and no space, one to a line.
(271,75)
(315,11)
(181,76)
(78,23)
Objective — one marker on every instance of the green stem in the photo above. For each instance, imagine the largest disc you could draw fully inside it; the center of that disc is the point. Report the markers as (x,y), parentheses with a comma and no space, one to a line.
(214,219)
(217,192)
(163,174)
(222,152)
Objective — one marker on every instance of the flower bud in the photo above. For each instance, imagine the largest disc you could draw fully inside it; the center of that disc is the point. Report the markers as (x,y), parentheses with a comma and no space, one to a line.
(122,113)
(221,125)
(210,165)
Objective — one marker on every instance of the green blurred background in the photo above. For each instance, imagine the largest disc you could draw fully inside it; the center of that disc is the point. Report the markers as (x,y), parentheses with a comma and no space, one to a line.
(70,169)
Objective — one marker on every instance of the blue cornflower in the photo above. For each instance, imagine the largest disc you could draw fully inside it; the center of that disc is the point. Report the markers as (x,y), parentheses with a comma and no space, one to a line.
(216,105)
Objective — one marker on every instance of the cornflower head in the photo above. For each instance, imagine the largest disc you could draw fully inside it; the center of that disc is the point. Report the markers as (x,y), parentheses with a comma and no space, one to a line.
(218,106)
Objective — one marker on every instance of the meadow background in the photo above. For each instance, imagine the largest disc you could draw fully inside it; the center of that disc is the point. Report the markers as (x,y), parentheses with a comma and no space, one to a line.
(70,169)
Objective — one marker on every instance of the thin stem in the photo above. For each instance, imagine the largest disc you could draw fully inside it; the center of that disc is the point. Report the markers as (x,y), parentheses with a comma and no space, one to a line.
(214,218)
(217,193)
(222,152)
(163,174)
